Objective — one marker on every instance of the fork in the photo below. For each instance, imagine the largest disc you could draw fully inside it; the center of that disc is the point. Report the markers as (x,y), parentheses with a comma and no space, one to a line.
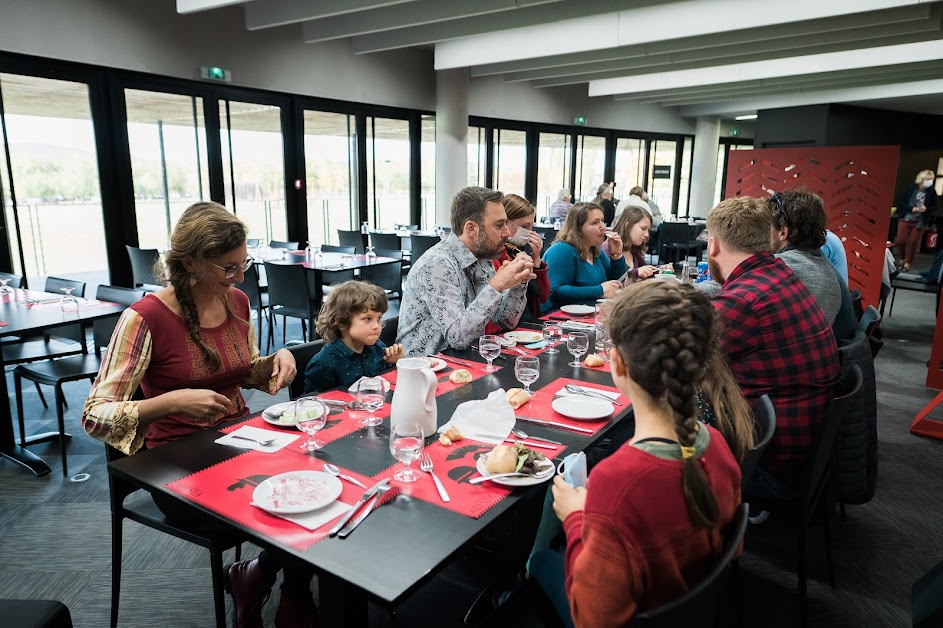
(425,464)
(578,390)
(264,443)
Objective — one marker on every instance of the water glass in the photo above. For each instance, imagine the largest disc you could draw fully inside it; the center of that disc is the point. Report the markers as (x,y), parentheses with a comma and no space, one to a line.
(527,370)
(489,348)
(371,254)
(4,288)
(370,397)
(603,306)
(68,303)
(553,332)
(310,417)
(577,343)
(406,445)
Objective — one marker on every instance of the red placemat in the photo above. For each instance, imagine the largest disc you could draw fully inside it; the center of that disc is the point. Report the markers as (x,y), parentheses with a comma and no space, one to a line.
(557,315)
(445,384)
(227,488)
(539,406)
(605,368)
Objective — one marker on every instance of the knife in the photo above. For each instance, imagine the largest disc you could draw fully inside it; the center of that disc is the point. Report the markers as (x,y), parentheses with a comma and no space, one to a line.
(555,424)
(370,492)
(366,511)
(449,358)
(527,443)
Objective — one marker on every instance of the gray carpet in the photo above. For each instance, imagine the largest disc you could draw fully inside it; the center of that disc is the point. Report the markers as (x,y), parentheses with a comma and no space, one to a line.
(55,535)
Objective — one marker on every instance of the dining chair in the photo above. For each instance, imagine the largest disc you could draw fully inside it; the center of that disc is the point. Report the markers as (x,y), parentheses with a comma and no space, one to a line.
(549,234)
(278,244)
(346,250)
(419,244)
(35,614)
(396,254)
(815,494)
(870,321)
(764,426)
(388,276)
(390,328)
(258,300)
(144,511)
(352,238)
(14,281)
(302,354)
(388,241)
(290,295)
(74,368)
(142,268)
(675,243)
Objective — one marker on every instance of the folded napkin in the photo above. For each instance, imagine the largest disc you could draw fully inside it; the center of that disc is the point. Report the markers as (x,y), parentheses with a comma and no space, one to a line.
(316,518)
(592,391)
(487,420)
(353,387)
(282,439)
(578,326)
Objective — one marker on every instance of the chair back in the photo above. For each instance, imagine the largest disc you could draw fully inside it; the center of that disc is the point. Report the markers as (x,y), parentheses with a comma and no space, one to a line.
(390,328)
(388,276)
(764,425)
(856,303)
(278,244)
(674,233)
(142,265)
(549,234)
(251,242)
(352,238)
(288,288)
(870,321)
(698,607)
(346,250)
(419,244)
(251,286)
(412,227)
(394,253)
(56,284)
(302,354)
(389,241)
(14,281)
(103,328)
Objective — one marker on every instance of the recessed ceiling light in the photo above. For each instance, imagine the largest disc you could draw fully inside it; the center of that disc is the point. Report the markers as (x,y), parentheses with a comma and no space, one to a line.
(750,116)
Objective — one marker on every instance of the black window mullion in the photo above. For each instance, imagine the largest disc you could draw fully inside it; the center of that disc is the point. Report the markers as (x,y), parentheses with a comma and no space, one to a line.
(530,164)
(232,164)
(296,214)
(572,184)
(646,181)
(489,155)
(415,169)
(214,148)
(676,178)
(6,257)
(609,167)
(361,123)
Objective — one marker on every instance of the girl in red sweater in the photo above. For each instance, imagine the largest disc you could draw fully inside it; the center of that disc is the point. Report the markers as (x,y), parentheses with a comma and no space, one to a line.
(649,524)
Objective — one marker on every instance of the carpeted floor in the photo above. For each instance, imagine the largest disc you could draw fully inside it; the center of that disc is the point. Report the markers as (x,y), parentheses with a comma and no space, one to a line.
(55,538)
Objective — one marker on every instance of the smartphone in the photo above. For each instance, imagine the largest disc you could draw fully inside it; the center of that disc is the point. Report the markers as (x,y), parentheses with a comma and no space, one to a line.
(573,469)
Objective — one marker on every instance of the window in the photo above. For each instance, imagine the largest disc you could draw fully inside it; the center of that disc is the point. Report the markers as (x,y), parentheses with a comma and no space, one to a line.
(630,164)
(427,174)
(661,174)
(685,179)
(387,172)
(330,143)
(553,168)
(477,153)
(510,161)
(590,166)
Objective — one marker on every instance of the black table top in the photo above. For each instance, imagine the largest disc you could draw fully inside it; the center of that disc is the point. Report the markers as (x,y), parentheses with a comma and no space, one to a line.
(334,262)
(29,311)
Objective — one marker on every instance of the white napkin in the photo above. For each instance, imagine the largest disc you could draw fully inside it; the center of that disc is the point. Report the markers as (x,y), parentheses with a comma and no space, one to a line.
(563,392)
(282,439)
(353,387)
(316,518)
(578,326)
(487,420)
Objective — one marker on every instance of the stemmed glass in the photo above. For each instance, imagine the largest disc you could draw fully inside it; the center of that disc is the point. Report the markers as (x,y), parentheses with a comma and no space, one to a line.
(552,331)
(310,416)
(489,348)
(406,445)
(4,288)
(68,303)
(577,343)
(370,397)
(527,370)
(371,254)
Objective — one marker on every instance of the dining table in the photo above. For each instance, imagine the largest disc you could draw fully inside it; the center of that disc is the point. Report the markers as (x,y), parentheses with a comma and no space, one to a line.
(408,539)
(27,313)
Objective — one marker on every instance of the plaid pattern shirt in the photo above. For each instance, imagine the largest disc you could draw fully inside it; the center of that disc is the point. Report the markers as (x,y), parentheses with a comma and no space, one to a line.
(778,343)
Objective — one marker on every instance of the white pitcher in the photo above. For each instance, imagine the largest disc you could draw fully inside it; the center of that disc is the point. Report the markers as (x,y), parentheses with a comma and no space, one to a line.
(414,395)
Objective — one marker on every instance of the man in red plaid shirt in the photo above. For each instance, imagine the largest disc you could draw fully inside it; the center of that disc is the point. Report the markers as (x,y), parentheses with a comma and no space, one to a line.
(775,337)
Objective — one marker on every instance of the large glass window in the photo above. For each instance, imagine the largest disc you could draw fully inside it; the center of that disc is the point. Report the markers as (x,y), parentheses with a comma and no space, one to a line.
(54,221)
(427,172)
(254,166)
(686,156)
(477,156)
(553,168)
(167,141)
(590,166)
(331,174)
(510,161)
(630,164)
(661,174)
(387,172)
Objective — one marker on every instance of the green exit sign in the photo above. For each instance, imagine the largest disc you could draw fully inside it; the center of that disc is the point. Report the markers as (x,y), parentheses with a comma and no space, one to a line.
(579,121)
(734,132)
(213,73)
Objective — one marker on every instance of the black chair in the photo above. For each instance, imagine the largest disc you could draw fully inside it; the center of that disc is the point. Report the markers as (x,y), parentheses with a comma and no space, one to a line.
(815,487)
(388,276)
(143,510)
(395,254)
(764,426)
(258,300)
(352,238)
(278,244)
(35,614)
(856,299)
(142,268)
(870,321)
(675,243)
(346,250)
(71,369)
(390,327)
(289,295)
(388,241)
(549,234)
(14,281)
(302,354)
(699,606)
(915,283)
(419,244)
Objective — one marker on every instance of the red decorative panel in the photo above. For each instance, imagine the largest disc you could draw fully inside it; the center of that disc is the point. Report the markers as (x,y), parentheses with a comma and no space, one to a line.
(856,184)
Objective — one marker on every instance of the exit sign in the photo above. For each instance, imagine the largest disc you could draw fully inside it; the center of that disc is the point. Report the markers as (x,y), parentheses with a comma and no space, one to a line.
(213,73)
(579,121)
(734,132)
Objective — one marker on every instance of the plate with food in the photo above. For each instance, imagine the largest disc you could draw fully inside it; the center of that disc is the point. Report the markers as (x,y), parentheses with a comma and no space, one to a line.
(515,458)
(280,414)
(436,364)
(582,407)
(295,492)
(578,310)
(524,337)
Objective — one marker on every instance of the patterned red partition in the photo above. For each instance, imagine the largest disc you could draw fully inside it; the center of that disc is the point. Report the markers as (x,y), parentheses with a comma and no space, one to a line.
(856,184)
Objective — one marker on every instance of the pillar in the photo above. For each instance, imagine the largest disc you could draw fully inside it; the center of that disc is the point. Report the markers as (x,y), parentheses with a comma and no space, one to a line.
(451,139)
(704,165)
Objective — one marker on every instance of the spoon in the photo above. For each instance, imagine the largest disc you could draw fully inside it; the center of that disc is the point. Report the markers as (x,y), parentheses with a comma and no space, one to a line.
(264,443)
(522,434)
(576,390)
(333,470)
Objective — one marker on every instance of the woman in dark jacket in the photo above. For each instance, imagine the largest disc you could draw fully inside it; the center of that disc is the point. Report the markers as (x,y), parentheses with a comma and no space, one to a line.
(915,211)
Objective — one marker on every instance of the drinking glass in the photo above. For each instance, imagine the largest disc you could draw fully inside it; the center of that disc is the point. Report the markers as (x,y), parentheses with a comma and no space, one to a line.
(68,303)
(4,288)
(310,416)
(371,254)
(370,397)
(527,370)
(552,331)
(577,343)
(602,326)
(489,348)
(406,445)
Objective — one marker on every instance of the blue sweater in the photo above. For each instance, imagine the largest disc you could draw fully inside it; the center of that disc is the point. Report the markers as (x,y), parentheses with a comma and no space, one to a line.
(574,280)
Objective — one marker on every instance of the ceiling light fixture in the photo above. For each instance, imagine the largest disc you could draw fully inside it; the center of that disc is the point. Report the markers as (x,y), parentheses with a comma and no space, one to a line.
(749,116)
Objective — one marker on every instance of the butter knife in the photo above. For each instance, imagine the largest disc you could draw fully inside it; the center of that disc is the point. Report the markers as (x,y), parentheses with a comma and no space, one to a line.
(449,358)
(555,424)
(366,511)
(370,492)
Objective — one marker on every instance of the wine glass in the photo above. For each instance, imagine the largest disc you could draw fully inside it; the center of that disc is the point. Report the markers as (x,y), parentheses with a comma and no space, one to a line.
(371,254)
(489,348)
(370,397)
(406,445)
(552,331)
(577,343)
(4,288)
(310,416)
(68,303)
(527,370)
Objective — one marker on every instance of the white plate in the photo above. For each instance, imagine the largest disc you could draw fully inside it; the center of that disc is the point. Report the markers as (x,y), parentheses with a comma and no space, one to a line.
(273,414)
(578,309)
(582,407)
(436,364)
(296,492)
(524,337)
(541,477)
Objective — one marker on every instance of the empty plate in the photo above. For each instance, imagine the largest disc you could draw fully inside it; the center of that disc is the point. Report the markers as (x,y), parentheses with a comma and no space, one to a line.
(578,310)
(296,492)
(582,407)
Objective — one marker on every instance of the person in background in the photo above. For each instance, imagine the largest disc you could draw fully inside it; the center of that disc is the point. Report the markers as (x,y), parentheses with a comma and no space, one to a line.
(633,226)
(915,210)
(604,201)
(652,206)
(834,251)
(561,206)
(190,347)
(350,322)
(578,272)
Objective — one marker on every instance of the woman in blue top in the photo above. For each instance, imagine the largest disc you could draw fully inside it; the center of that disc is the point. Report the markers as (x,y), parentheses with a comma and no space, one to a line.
(577,271)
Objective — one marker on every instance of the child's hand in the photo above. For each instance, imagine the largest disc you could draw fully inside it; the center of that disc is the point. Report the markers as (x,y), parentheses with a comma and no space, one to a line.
(394,353)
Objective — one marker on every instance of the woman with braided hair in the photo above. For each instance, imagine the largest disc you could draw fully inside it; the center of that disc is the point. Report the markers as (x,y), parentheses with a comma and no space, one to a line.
(649,524)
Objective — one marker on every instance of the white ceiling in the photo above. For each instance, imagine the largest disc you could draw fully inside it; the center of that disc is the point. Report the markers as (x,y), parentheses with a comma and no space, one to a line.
(705,57)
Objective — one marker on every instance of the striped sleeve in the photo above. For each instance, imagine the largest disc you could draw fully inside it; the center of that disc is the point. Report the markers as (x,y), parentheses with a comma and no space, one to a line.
(109,414)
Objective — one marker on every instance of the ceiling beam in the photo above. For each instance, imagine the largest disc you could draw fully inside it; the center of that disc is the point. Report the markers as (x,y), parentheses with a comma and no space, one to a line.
(685,18)
(194,6)
(271,13)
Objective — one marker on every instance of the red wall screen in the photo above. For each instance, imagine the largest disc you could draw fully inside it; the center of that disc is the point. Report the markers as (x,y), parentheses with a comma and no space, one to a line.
(856,184)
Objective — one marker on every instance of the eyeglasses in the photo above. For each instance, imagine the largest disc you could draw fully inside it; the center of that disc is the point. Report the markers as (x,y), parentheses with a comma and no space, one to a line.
(778,199)
(231,271)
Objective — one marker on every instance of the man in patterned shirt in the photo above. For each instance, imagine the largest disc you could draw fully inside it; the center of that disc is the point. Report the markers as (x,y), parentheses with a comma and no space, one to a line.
(453,290)
(775,337)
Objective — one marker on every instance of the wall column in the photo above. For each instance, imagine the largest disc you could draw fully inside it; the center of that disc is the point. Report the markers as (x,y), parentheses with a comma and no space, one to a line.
(451,139)
(704,165)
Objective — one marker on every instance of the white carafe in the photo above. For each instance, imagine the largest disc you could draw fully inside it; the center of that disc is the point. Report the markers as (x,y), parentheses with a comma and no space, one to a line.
(414,395)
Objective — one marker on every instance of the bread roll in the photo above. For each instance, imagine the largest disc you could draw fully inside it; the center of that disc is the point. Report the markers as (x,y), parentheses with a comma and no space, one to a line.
(516,397)
(453,434)
(502,459)
(593,360)
(445,440)
(460,376)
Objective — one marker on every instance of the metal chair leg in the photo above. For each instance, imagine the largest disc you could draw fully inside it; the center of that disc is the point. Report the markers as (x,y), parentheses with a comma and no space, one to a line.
(116,541)
(60,416)
(18,387)
(39,391)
